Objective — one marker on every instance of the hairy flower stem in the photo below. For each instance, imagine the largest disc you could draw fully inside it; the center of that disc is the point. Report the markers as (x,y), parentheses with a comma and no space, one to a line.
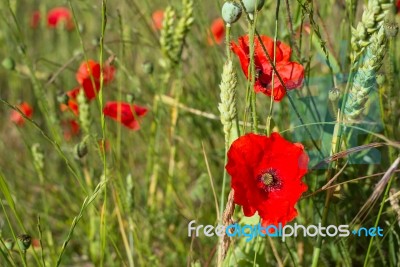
(271,106)
(228,41)
(253,98)
(103,218)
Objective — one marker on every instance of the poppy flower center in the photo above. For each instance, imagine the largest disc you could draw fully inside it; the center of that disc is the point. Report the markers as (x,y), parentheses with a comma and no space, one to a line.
(267,178)
(269,181)
(263,78)
(258,73)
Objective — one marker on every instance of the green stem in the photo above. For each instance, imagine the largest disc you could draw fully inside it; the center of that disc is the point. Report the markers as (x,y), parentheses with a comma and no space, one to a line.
(222,197)
(103,218)
(251,73)
(228,41)
(271,106)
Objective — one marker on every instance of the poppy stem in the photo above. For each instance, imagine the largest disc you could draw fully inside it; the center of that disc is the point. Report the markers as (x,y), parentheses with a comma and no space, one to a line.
(253,99)
(271,106)
(103,216)
(228,41)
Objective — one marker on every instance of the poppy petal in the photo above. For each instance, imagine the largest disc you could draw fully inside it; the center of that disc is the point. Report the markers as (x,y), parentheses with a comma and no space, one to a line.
(123,113)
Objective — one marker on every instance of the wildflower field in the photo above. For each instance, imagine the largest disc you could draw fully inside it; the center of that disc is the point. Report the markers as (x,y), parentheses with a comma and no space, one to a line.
(199,133)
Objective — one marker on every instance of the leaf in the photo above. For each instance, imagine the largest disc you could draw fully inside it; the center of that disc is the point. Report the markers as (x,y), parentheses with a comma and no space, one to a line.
(6,192)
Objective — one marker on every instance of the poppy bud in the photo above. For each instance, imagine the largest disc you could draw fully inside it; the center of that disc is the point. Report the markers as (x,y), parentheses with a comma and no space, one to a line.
(148,67)
(81,149)
(9,243)
(8,63)
(250,5)
(38,156)
(231,12)
(24,241)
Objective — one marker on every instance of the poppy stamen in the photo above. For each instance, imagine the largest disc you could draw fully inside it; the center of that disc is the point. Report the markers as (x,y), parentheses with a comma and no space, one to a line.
(267,178)
(269,181)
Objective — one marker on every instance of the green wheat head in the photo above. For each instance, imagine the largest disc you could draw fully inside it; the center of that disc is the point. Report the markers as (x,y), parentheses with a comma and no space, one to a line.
(365,77)
(167,31)
(84,112)
(173,36)
(227,107)
(38,157)
(372,20)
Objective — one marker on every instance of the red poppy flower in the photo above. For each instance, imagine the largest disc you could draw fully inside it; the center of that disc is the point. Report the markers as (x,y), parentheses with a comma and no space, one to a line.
(92,68)
(17,118)
(60,15)
(35,19)
(267,176)
(398,6)
(292,73)
(217,31)
(72,103)
(123,112)
(71,128)
(157,18)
